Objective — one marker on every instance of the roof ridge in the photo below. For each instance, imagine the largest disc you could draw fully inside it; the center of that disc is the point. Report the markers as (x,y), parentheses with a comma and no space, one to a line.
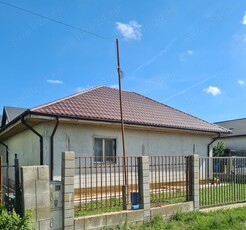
(237,119)
(7,106)
(180,111)
(65,98)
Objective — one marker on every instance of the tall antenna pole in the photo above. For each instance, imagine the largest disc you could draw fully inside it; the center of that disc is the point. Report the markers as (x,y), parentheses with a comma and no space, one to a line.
(121,115)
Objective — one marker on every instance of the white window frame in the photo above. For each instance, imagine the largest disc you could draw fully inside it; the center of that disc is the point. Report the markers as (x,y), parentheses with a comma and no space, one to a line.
(103,149)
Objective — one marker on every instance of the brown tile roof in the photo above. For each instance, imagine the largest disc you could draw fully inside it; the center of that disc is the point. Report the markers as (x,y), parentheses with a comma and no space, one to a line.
(102,104)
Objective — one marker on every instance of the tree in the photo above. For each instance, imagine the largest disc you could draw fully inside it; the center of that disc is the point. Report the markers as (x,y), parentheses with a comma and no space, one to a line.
(219,149)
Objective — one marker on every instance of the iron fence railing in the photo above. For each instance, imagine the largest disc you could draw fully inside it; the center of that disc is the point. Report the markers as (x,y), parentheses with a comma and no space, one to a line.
(100,185)
(170,179)
(10,185)
(222,180)
(1,182)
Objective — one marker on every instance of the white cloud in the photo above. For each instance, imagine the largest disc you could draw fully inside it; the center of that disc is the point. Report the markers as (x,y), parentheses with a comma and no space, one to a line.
(212,90)
(184,55)
(80,89)
(244,19)
(130,31)
(190,52)
(116,86)
(241,82)
(55,81)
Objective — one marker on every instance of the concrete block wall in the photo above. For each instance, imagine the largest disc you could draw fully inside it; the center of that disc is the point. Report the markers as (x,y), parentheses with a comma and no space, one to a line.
(143,183)
(68,165)
(107,220)
(36,194)
(195,181)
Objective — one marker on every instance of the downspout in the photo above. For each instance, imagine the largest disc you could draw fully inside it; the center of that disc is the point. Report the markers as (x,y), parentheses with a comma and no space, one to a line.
(216,138)
(52,149)
(40,139)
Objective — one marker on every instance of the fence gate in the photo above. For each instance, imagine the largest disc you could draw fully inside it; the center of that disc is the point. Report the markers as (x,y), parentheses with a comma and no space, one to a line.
(1,181)
(10,185)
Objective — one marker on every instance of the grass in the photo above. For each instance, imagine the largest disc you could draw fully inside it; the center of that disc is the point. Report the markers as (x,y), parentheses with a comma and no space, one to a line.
(167,198)
(116,204)
(222,219)
(98,207)
(225,194)
(209,196)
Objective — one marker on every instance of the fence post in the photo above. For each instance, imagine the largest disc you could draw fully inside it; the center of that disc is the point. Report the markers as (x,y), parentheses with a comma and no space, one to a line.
(68,167)
(143,183)
(235,178)
(36,194)
(18,208)
(188,173)
(195,181)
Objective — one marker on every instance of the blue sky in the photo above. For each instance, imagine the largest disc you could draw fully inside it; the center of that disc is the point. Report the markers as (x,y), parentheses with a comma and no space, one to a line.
(187,54)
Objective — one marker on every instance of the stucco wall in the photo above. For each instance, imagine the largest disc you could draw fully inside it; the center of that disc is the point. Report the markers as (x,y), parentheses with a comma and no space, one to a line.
(235,143)
(80,138)
(26,145)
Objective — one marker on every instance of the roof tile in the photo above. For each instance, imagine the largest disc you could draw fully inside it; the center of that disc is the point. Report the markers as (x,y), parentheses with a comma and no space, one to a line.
(102,103)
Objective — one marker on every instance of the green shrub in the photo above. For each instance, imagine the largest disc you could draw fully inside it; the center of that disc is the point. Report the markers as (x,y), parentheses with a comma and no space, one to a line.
(219,149)
(11,220)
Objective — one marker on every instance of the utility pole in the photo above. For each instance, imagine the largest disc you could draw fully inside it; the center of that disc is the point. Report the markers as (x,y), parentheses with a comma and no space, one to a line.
(124,187)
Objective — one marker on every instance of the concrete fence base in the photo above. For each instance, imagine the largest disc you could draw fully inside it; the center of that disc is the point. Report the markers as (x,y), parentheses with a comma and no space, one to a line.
(131,216)
(37,195)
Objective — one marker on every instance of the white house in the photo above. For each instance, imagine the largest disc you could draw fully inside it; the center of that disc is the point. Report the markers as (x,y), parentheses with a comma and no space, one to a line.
(89,123)
(236,141)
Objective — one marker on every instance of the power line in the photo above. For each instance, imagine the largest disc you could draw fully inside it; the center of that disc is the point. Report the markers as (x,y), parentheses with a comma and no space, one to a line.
(56,21)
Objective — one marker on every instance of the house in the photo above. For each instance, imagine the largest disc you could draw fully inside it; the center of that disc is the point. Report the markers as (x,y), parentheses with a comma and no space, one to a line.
(236,140)
(9,114)
(89,123)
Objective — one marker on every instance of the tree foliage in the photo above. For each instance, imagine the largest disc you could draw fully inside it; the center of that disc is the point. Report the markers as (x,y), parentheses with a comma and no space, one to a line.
(219,149)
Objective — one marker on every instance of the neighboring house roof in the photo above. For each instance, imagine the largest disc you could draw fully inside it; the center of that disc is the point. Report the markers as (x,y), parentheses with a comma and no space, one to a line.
(10,113)
(102,104)
(237,127)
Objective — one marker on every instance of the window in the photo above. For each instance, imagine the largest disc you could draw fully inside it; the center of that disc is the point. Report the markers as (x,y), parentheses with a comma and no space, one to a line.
(104,149)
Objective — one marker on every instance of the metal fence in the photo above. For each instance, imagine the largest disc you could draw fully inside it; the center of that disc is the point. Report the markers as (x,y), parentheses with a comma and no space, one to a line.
(10,185)
(100,184)
(1,182)
(170,179)
(222,180)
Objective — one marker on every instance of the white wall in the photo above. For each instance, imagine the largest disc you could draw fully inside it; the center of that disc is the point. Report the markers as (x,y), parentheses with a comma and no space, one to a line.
(80,140)
(26,145)
(137,142)
(235,143)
